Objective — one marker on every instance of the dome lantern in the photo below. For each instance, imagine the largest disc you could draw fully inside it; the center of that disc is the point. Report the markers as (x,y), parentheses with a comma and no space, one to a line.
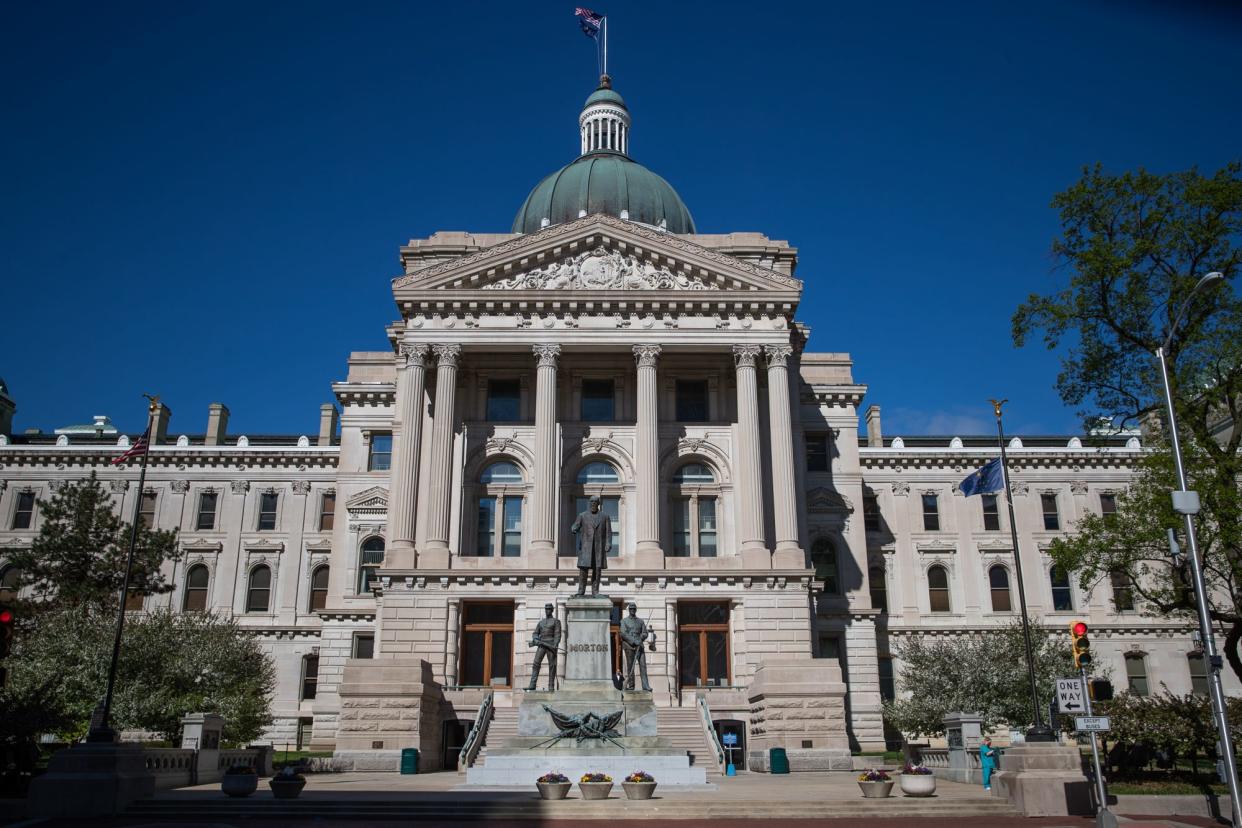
(604,125)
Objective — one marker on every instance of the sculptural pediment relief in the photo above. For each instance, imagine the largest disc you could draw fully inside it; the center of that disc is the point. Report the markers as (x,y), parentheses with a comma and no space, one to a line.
(370,501)
(601,269)
(828,500)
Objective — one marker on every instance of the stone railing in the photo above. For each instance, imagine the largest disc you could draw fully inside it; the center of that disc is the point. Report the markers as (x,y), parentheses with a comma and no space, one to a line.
(474,739)
(247,757)
(171,767)
(932,757)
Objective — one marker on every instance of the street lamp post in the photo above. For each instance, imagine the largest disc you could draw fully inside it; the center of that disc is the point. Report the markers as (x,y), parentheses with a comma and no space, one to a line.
(1186,503)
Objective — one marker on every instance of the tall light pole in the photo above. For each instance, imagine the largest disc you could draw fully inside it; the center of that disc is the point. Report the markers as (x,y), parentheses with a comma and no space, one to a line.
(1186,504)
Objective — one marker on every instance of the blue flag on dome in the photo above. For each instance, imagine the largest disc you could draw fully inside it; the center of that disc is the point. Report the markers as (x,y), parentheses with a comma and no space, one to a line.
(990,478)
(589,21)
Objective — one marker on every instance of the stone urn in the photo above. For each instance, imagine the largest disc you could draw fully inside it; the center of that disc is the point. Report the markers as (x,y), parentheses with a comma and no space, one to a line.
(638,790)
(918,784)
(595,790)
(240,783)
(876,790)
(553,790)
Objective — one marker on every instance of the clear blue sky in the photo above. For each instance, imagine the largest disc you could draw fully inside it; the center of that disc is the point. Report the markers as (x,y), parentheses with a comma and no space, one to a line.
(205,200)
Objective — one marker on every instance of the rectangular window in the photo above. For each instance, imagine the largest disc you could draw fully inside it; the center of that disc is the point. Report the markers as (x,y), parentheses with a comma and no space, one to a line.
(267,511)
(1108,504)
(24,514)
(991,513)
(380,458)
(146,512)
(511,542)
(134,600)
(871,513)
(1052,521)
(703,644)
(486,533)
(504,400)
(305,728)
(681,528)
(310,677)
(830,647)
(598,401)
(610,506)
(327,511)
(707,527)
(487,645)
(1136,674)
(1198,674)
(207,502)
(1123,591)
(931,512)
(692,401)
(817,452)
(888,686)
(878,585)
(364,645)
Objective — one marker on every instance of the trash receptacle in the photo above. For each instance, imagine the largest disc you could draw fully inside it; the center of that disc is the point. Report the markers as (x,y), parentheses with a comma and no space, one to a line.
(778,762)
(409,760)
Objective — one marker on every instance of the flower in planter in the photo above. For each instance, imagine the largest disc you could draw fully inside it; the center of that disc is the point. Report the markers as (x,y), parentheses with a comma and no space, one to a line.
(595,777)
(239,770)
(552,779)
(916,770)
(874,775)
(640,776)
(288,774)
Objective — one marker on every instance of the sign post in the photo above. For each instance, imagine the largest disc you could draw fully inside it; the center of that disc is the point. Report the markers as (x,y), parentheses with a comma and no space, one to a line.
(729,740)
(1104,818)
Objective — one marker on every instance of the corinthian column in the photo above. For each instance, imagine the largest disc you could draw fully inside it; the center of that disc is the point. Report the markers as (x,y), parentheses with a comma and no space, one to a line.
(411,383)
(784,488)
(435,552)
(749,495)
(647,460)
(543,517)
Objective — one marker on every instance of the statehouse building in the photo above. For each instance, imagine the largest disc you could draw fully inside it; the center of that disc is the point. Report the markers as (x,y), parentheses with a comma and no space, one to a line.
(780,544)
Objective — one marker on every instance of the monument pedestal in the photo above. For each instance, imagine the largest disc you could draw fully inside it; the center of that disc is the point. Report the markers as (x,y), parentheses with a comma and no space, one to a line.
(1044,779)
(91,779)
(587,688)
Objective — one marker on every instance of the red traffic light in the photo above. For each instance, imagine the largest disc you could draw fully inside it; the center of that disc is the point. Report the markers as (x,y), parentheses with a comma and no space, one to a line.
(6,616)
(1080,628)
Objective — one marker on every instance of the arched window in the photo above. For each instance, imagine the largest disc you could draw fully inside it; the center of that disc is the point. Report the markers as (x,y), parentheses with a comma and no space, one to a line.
(10,583)
(499,524)
(824,559)
(319,588)
(597,478)
(370,558)
(998,580)
(938,589)
(259,591)
(197,579)
(695,499)
(878,582)
(1062,596)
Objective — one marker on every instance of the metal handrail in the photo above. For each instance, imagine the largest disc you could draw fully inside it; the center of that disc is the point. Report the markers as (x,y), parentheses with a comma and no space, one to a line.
(706,715)
(474,739)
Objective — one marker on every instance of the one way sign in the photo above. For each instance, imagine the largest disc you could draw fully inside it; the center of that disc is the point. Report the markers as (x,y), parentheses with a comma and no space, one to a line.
(1070,695)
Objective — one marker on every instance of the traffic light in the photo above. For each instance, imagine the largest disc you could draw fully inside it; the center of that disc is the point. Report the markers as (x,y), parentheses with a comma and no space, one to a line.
(1100,689)
(6,631)
(1081,644)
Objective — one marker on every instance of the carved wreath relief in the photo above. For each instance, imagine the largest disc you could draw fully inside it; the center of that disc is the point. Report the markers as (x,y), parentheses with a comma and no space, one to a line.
(601,269)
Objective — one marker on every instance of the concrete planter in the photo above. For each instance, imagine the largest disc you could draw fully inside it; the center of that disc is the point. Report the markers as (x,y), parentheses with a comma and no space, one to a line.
(638,790)
(876,790)
(595,790)
(239,784)
(553,790)
(918,784)
(286,788)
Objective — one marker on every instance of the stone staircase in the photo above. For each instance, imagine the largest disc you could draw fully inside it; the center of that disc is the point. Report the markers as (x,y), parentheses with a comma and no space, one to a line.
(500,729)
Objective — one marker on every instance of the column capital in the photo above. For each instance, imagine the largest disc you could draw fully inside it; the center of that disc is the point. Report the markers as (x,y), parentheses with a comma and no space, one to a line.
(778,354)
(646,355)
(414,356)
(745,355)
(447,354)
(547,355)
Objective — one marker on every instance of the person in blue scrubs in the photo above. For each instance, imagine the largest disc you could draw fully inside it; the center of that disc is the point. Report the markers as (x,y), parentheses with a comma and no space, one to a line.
(987,761)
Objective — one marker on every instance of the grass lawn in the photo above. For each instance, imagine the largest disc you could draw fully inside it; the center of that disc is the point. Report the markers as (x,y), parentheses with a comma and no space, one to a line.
(1172,782)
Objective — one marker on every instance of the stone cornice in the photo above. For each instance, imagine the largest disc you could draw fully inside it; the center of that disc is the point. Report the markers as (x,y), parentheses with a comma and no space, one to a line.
(365,393)
(632,581)
(76,458)
(965,460)
(833,394)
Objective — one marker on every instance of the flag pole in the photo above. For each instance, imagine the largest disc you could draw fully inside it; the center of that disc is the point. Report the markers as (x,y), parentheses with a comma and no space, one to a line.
(605,21)
(100,732)
(1039,732)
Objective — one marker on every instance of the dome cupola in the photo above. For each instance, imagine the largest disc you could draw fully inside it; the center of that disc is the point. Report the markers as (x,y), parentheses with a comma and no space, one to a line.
(604,179)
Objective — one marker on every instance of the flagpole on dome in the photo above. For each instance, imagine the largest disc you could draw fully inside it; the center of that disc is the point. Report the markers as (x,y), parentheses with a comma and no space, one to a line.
(100,731)
(1039,732)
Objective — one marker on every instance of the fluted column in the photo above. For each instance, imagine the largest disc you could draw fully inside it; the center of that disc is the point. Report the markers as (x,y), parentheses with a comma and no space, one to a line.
(647,459)
(435,552)
(749,494)
(784,485)
(411,385)
(546,491)
(452,635)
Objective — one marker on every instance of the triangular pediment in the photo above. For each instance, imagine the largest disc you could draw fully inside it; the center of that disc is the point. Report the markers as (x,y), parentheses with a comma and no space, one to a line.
(593,255)
(368,502)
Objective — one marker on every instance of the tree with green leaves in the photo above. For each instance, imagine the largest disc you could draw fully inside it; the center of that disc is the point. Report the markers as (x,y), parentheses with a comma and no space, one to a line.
(1133,247)
(980,672)
(78,557)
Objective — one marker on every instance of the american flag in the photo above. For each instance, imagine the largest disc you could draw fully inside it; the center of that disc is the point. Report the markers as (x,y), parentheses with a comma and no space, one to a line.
(138,448)
(590,21)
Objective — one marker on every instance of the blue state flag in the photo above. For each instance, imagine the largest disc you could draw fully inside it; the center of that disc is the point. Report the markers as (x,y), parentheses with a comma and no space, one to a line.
(990,478)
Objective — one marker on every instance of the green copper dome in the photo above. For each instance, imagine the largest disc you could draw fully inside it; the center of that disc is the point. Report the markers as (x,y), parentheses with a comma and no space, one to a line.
(604,179)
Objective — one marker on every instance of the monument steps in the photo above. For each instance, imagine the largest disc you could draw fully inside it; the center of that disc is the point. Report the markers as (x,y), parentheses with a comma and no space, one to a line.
(683,726)
(503,726)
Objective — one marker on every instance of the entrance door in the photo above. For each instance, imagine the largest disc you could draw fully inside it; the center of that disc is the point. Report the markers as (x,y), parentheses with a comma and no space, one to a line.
(736,729)
(454,738)
(487,645)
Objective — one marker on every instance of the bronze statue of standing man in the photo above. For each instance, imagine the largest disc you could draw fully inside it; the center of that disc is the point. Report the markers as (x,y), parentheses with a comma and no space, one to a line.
(547,637)
(634,634)
(593,530)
